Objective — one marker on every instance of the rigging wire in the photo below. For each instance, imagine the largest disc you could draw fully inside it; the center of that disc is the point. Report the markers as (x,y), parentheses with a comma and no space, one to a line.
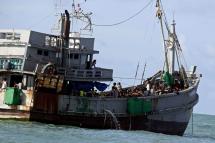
(129,18)
(180,51)
(128,78)
(192,122)
(165,18)
(41,20)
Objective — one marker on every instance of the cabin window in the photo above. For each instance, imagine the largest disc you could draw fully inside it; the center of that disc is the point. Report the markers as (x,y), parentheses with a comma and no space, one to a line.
(46,53)
(39,52)
(11,63)
(9,36)
(70,56)
(53,42)
(77,43)
(1,63)
(71,43)
(76,56)
(2,35)
(74,43)
(88,64)
(17,36)
(50,41)
(47,41)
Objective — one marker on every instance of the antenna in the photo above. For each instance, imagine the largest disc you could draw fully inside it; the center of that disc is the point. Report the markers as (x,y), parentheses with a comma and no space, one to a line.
(173,15)
(56,26)
(79,15)
(73,6)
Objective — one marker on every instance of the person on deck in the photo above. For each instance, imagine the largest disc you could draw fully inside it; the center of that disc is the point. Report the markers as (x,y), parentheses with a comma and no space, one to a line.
(93,63)
(119,88)
(114,90)
(82,93)
(4,85)
(148,87)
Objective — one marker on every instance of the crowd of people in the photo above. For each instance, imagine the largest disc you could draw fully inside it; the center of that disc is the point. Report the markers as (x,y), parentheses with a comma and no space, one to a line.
(146,89)
(4,85)
(116,89)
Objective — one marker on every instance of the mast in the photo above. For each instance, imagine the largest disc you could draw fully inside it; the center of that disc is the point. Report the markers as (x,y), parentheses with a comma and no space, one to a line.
(64,34)
(169,45)
(171,49)
(159,14)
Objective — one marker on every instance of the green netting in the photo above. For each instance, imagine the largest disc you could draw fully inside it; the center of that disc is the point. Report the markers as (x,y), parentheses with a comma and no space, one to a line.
(12,96)
(139,106)
(147,105)
(168,79)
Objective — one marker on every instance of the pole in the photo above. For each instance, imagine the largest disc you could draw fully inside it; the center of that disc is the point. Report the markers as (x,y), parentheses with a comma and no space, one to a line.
(143,74)
(136,73)
(192,123)
(159,15)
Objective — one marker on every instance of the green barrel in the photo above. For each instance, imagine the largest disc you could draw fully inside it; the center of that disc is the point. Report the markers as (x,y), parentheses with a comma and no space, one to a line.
(12,96)
(139,106)
(147,105)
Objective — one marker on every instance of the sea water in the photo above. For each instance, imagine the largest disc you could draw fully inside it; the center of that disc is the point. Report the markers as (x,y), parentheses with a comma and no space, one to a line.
(33,132)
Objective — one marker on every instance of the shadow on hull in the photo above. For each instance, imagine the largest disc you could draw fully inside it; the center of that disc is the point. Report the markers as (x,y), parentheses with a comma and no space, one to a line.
(102,122)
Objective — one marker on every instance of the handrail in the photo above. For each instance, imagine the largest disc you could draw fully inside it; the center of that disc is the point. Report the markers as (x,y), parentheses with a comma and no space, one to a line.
(97,73)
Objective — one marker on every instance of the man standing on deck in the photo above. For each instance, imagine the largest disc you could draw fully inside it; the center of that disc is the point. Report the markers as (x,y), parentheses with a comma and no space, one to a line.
(119,88)
(4,85)
(114,90)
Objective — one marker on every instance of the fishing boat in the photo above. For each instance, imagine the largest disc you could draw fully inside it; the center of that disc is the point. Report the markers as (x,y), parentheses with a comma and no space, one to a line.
(54,79)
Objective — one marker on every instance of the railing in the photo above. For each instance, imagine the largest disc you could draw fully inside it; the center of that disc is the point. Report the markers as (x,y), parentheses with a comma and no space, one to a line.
(82,74)
(14,43)
(14,67)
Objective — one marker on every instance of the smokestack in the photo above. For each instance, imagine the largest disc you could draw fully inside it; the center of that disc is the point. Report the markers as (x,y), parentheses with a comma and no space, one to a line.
(65,26)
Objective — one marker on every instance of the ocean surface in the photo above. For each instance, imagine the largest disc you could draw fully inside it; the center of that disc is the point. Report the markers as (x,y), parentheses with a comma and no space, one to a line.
(33,132)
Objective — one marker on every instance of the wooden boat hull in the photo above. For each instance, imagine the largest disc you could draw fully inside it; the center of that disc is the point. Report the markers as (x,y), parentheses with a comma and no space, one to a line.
(126,123)
(172,120)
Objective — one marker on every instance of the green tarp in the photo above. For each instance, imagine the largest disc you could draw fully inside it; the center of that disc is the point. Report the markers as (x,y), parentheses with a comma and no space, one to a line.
(12,96)
(168,79)
(139,106)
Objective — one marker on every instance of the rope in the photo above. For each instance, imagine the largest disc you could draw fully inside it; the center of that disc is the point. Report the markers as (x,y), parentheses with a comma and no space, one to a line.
(192,123)
(41,20)
(180,51)
(165,18)
(130,78)
(129,18)
(164,43)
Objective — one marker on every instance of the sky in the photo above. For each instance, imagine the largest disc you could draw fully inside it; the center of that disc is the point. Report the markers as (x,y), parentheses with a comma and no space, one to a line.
(138,40)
